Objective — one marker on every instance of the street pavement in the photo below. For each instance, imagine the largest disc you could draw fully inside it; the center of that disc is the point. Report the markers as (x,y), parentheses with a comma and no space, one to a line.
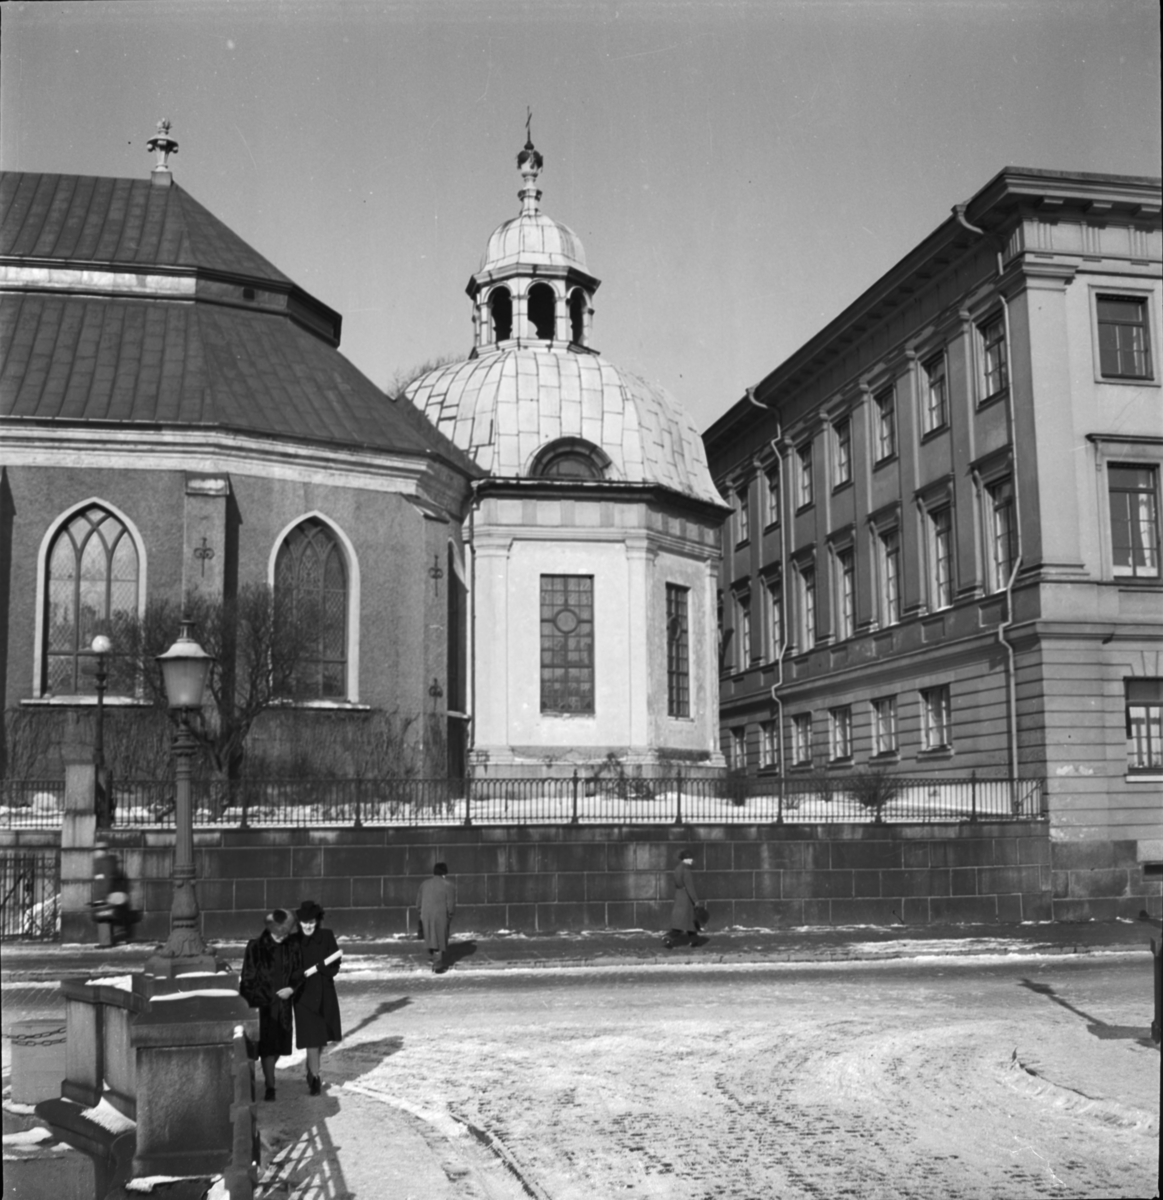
(355,1142)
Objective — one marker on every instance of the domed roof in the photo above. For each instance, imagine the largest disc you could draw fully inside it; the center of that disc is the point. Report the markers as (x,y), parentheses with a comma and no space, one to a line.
(504,406)
(533,238)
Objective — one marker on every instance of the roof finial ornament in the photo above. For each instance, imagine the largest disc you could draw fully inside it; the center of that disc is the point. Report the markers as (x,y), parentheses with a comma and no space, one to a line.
(529,163)
(165,146)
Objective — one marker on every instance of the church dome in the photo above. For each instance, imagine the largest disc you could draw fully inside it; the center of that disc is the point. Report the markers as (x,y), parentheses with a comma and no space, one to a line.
(507,407)
(535,239)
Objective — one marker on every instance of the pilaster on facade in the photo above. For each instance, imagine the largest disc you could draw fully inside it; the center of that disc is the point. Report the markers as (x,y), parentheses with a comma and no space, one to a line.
(205,554)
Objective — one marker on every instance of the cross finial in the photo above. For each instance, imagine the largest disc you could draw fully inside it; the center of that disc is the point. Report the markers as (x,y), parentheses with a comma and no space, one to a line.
(529,163)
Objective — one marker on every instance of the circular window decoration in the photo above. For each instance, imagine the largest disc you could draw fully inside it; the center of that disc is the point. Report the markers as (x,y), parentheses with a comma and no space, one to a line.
(566,620)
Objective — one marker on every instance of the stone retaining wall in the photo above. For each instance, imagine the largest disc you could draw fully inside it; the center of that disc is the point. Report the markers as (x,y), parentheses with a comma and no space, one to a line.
(545,878)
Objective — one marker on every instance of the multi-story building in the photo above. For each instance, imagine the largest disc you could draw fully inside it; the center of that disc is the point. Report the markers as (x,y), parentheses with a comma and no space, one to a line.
(945,553)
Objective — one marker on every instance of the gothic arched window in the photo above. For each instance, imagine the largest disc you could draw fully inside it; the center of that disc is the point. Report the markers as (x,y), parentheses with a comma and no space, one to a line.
(91,588)
(311,588)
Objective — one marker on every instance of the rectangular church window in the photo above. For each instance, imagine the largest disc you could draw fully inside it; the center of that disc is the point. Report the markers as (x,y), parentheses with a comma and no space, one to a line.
(678,672)
(567,643)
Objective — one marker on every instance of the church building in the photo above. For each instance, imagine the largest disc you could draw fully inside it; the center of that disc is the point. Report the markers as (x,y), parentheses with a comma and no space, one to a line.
(519,558)
(592,543)
(175,417)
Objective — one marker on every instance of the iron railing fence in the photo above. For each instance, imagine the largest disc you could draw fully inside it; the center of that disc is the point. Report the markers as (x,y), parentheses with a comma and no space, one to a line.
(630,799)
(30,894)
(31,803)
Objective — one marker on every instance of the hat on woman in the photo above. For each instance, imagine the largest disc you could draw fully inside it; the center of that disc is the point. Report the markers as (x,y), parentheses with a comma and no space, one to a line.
(309,911)
(280,923)
(686,856)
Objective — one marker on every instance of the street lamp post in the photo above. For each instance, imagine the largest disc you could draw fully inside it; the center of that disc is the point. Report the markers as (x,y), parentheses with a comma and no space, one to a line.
(101,646)
(185,668)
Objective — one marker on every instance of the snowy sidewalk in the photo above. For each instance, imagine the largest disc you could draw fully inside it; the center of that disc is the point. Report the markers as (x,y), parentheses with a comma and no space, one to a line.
(32,961)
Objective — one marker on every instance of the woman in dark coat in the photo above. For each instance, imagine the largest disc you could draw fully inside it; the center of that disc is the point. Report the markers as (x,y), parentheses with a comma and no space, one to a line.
(271,970)
(316,1004)
(683,925)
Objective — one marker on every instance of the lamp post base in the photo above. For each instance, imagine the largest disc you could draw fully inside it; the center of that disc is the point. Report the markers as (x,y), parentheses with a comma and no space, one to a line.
(183,954)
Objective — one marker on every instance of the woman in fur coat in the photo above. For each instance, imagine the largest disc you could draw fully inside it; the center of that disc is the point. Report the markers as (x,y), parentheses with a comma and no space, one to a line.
(316,1003)
(271,970)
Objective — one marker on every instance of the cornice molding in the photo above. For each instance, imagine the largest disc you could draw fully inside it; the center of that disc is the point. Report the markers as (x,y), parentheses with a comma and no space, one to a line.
(215,452)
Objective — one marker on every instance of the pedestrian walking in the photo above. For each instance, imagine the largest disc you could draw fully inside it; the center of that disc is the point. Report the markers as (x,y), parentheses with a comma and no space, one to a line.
(271,970)
(436,904)
(316,1002)
(684,925)
(110,898)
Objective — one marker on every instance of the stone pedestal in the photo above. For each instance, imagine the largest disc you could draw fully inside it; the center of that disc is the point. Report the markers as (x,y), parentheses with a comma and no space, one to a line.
(185,1075)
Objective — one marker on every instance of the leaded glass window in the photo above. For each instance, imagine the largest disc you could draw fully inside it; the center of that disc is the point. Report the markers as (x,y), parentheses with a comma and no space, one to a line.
(567,643)
(678,672)
(311,582)
(91,588)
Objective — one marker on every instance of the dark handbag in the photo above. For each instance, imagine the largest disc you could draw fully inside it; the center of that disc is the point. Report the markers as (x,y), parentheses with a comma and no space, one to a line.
(702,914)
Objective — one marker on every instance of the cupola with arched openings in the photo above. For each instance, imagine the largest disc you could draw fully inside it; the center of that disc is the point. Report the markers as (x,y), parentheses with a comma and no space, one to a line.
(533,287)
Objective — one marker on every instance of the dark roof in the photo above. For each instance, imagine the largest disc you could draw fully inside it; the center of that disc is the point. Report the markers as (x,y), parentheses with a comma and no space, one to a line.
(241,347)
(92,219)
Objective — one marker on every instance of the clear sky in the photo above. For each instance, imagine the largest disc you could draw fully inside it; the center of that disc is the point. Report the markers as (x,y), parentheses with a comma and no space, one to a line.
(738,171)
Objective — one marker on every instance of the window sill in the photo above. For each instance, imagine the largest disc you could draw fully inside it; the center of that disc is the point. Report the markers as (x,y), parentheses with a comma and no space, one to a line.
(803,508)
(886,461)
(992,398)
(1155,777)
(886,758)
(843,485)
(933,434)
(938,752)
(321,705)
(1128,380)
(85,701)
(841,764)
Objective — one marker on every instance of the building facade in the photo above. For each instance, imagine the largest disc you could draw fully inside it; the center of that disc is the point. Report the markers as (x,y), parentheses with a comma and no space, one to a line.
(944,553)
(175,417)
(592,542)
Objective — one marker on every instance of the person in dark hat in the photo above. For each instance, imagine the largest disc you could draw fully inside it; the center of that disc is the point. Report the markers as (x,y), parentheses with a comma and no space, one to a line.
(436,904)
(684,927)
(316,1003)
(271,970)
(110,904)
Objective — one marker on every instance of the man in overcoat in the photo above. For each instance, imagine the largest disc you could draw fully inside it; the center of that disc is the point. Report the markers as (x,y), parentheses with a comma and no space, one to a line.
(684,928)
(436,904)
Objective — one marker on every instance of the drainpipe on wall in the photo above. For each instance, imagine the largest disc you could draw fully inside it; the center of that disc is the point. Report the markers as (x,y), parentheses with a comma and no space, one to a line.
(1008,619)
(776,446)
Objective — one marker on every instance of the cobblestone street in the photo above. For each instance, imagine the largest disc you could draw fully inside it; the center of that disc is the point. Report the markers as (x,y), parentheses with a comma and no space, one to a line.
(1012,1080)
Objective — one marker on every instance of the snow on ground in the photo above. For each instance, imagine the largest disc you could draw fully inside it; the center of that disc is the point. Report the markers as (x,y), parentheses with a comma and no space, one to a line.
(856,1086)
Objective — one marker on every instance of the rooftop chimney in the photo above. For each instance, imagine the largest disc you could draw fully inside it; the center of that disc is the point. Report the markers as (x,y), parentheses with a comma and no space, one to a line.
(165,145)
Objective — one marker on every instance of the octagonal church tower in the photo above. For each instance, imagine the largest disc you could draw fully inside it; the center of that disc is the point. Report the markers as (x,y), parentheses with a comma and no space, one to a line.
(592,544)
